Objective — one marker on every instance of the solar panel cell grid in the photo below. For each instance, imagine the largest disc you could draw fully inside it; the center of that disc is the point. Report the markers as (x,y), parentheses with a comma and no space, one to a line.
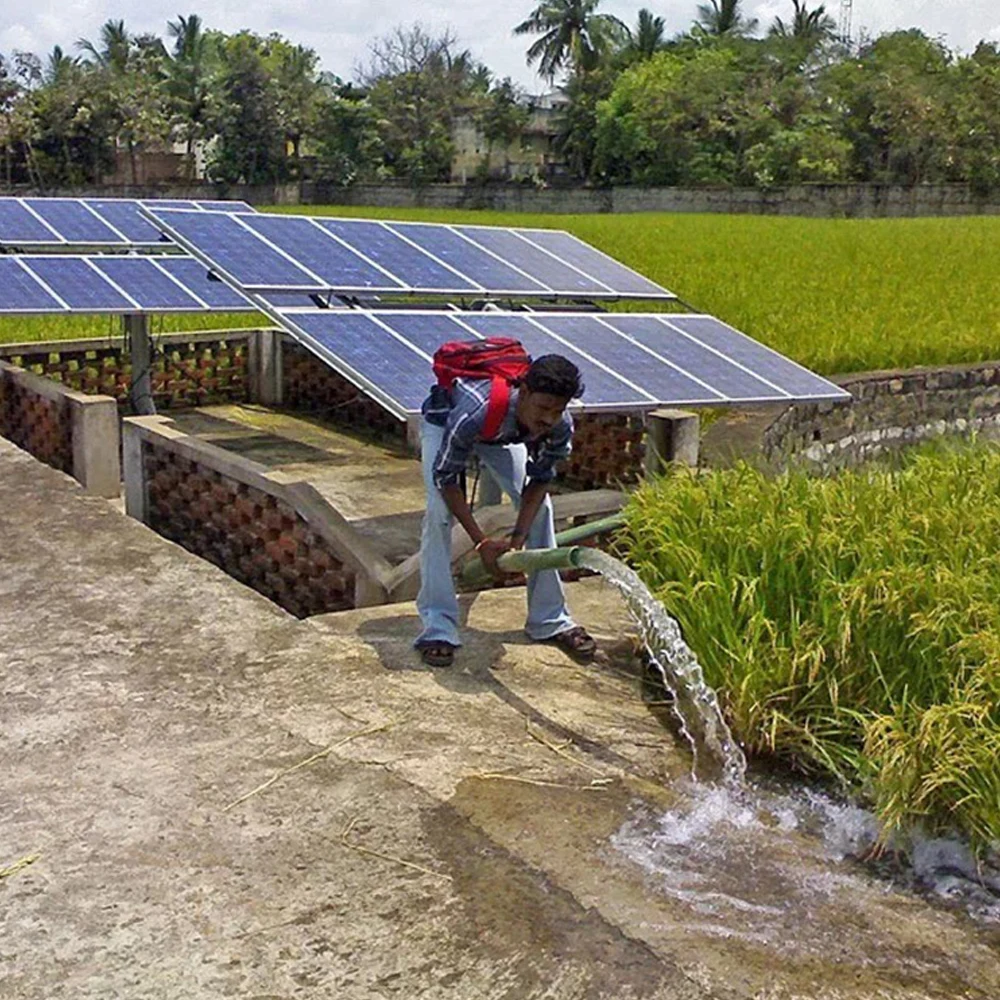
(468,259)
(389,365)
(21,292)
(404,261)
(146,283)
(601,341)
(18,225)
(316,249)
(74,222)
(80,286)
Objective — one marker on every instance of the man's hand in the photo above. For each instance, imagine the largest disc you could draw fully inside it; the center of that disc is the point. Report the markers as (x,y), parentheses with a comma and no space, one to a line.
(490,550)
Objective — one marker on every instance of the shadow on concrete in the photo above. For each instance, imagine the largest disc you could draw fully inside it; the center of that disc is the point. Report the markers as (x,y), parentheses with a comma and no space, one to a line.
(474,670)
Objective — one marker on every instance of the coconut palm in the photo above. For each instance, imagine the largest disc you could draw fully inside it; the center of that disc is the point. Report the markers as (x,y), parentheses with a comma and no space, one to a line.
(188,80)
(573,34)
(114,50)
(724,17)
(811,26)
(646,39)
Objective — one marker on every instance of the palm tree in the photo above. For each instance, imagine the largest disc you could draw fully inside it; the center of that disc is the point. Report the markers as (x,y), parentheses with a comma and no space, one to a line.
(115,47)
(724,17)
(572,34)
(811,26)
(647,38)
(188,80)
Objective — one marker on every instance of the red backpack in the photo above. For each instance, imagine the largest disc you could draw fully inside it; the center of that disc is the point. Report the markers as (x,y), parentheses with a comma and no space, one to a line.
(503,360)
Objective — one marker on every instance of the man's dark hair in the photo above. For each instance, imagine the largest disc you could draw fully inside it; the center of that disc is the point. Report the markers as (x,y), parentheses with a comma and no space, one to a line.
(555,375)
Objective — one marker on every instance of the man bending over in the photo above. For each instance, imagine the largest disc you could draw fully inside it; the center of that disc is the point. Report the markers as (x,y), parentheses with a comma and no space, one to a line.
(534,434)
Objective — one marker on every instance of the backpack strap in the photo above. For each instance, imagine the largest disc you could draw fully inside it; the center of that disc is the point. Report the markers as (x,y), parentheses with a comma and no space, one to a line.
(496,408)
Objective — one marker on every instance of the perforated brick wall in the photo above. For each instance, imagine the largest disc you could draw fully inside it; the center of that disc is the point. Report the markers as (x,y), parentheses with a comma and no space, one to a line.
(192,372)
(43,427)
(253,536)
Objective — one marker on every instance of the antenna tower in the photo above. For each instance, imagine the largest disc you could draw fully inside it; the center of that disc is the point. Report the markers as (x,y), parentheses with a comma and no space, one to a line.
(846,9)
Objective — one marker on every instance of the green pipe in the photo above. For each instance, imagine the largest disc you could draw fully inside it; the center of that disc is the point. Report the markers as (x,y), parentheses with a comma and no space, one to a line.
(581,531)
(523,561)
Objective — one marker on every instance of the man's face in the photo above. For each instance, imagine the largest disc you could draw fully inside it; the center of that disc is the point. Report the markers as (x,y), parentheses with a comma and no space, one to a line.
(539,412)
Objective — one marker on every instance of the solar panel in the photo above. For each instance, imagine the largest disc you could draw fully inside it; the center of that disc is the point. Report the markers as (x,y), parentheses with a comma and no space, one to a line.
(22,292)
(90,222)
(79,285)
(403,257)
(193,275)
(19,225)
(38,283)
(411,267)
(318,250)
(73,220)
(629,362)
(149,286)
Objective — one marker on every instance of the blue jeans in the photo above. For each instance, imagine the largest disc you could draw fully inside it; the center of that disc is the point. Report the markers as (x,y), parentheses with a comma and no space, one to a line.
(436,602)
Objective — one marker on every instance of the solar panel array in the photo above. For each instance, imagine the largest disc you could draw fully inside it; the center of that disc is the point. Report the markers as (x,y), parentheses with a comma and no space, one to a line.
(629,361)
(90,222)
(62,283)
(291,253)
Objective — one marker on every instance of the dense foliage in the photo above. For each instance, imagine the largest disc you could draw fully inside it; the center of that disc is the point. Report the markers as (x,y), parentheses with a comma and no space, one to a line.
(728,102)
(851,625)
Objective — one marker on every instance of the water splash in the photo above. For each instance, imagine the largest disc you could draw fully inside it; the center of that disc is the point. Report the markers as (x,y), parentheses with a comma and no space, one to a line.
(717,756)
(775,853)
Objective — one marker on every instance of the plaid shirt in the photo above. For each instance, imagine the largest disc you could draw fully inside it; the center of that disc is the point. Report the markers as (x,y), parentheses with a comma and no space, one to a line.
(462,412)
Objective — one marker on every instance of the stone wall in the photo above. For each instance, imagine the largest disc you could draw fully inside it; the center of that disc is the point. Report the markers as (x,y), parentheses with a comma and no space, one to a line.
(821,200)
(826,200)
(272,532)
(189,369)
(890,411)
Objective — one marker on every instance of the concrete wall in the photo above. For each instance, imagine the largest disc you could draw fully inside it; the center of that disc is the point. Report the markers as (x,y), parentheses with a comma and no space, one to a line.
(72,432)
(271,531)
(891,410)
(820,200)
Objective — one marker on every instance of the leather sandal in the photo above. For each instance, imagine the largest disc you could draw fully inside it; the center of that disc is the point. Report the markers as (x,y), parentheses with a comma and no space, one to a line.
(576,641)
(437,654)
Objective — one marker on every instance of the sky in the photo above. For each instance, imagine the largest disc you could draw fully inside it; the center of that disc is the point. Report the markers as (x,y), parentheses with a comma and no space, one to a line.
(341,30)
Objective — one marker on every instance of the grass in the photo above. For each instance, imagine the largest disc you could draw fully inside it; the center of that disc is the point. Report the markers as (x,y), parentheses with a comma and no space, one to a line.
(837,295)
(851,625)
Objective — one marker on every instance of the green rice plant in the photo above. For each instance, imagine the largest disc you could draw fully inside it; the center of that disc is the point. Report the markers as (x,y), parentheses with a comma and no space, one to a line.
(847,622)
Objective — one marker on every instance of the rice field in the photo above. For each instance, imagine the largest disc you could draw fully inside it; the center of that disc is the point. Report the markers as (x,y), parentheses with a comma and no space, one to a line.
(837,295)
(854,630)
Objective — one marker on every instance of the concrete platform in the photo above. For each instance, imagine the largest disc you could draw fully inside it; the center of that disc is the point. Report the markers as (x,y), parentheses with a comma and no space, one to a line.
(452,834)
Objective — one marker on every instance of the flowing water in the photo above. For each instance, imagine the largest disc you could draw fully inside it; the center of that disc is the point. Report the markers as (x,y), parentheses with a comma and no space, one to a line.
(725,852)
(717,756)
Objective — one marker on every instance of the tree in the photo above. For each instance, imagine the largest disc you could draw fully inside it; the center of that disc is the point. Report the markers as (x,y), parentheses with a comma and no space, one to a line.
(501,117)
(417,84)
(813,27)
(189,82)
(114,50)
(648,37)
(248,123)
(573,35)
(299,89)
(724,18)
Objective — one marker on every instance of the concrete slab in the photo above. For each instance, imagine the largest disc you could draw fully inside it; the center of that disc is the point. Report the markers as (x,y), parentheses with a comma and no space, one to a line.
(402,832)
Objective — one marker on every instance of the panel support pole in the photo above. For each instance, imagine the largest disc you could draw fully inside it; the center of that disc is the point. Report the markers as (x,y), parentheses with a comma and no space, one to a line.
(141,352)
